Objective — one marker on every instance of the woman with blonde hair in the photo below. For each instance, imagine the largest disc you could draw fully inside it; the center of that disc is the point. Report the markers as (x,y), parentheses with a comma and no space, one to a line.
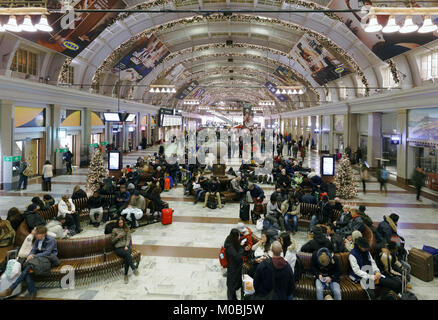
(67,213)
(78,193)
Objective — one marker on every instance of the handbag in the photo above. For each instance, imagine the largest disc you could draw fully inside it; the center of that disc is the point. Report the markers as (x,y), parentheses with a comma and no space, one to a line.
(259,225)
(28,171)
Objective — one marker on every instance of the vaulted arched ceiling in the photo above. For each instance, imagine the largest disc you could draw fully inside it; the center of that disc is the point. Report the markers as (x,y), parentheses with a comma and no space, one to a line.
(265,40)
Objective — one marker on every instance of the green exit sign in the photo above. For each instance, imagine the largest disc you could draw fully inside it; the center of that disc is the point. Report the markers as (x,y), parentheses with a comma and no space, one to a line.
(104,143)
(95,145)
(7,159)
(62,150)
(16,158)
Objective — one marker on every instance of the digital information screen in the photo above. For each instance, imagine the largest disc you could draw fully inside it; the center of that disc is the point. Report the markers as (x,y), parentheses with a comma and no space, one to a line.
(170,120)
(328,165)
(114,160)
(111,116)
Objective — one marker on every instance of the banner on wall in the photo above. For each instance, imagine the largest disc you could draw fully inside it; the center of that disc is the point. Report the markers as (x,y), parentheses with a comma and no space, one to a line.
(86,27)
(423,124)
(70,118)
(28,117)
(317,61)
(384,45)
(248,116)
(273,88)
(285,76)
(97,119)
(142,59)
(186,90)
(339,123)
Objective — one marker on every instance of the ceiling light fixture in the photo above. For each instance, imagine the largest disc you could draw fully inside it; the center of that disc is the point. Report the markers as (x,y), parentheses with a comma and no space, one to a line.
(12,25)
(391,26)
(409,26)
(428,26)
(373,25)
(27,25)
(43,25)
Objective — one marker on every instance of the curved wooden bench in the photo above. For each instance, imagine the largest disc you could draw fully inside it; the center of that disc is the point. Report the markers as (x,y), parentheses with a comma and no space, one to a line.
(88,257)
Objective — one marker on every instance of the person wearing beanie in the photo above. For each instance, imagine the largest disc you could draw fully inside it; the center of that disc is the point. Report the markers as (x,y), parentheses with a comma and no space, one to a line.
(319,241)
(325,268)
(387,229)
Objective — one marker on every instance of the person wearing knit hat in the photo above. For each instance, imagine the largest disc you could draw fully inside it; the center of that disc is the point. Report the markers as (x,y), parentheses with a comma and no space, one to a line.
(387,230)
(326,270)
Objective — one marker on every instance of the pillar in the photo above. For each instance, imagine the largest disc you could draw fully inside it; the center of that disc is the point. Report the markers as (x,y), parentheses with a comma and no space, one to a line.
(312,129)
(374,149)
(319,140)
(402,148)
(331,134)
(149,128)
(53,130)
(351,137)
(86,137)
(125,146)
(6,134)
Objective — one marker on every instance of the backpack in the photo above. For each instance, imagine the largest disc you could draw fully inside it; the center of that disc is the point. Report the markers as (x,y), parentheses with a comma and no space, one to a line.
(298,269)
(211,204)
(384,174)
(109,227)
(223,257)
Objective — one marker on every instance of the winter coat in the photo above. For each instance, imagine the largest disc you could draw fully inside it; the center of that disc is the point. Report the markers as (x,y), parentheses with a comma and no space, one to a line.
(356,223)
(343,221)
(357,260)
(291,258)
(235,185)
(319,241)
(332,270)
(418,179)
(47,171)
(367,220)
(125,241)
(79,194)
(94,203)
(283,181)
(235,262)
(63,208)
(257,192)
(283,277)
(337,240)
(33,219)
(325,214)
(7,234)
(46,258)
(385,230)
(139,203)
(213,187)
(15,220)
(290,208)
(308,198)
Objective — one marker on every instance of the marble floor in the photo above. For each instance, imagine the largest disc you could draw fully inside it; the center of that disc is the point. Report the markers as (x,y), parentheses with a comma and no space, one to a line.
(179,261)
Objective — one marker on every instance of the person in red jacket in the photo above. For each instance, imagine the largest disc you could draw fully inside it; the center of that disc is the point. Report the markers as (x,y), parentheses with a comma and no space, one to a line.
(245,235)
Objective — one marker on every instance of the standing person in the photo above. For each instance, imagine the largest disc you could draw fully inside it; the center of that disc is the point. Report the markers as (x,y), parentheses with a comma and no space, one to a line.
(43,249)
(68,158)
(295,149)
(121,239)
(274,276)
(289,146)
(23,178)
(418,179)
(303,153)
(47,175)
(325,268)
(364,176)
(234,253)
(382,177)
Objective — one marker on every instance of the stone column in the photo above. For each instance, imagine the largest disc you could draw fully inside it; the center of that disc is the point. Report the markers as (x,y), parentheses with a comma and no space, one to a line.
(86,137)
(6,139)
(402,148)
(331,134)
(374,149)
(55,122)
(350,131)
(319,142)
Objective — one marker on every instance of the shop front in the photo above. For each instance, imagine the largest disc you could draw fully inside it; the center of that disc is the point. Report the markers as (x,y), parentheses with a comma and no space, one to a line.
(389,143)
(70,132)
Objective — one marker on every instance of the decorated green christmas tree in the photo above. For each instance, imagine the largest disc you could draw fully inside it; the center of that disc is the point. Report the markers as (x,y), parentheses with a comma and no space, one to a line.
(344,179)
(96,172)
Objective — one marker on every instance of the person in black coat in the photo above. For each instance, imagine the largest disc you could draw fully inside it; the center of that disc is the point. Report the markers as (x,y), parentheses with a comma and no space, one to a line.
(319,241)
(275,274)
(326,270)
(234,253)
(213,189)
(323,215)
(342,224)
(387,229)
(78,193)
(32,218)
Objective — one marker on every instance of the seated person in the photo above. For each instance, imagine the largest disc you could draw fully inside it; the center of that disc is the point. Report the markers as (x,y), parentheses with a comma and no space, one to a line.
(298,193)
(48,201)
(78,193)
(109,186)
(15,217)
(200,188)
(290,209)
(43,247)
(311,174)
(131,188)
(256,193)
(338,204)
(95,205)
(237,188)
(356,222)
(273,213)
(336,238)
(387,229)
(342,224)
(283,182)
(38,202)
(280,195)
(135,209)
(213,189)
(326,270)
(324,213)
(7,233)
(308,198)
(319,241)
(32,218)
(122,198)
(316,182)
(67,214)
(133,177)
(386,263)
(360,259)
(298,179)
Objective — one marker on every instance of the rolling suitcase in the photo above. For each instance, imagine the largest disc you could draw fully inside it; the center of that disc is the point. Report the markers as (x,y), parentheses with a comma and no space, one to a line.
(166,184)
(421,264)
(244,211)
(166,216)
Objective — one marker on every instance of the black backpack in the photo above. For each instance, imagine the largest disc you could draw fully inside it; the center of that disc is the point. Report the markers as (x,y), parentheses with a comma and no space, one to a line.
(298,270)
(211,204)
(109,227)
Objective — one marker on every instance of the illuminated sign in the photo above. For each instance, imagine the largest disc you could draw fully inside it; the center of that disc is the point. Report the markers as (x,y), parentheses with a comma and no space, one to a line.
(70,45)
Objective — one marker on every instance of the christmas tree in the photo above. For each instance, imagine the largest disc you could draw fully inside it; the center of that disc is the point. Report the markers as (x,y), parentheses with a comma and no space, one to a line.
(344,179)
(96,172)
